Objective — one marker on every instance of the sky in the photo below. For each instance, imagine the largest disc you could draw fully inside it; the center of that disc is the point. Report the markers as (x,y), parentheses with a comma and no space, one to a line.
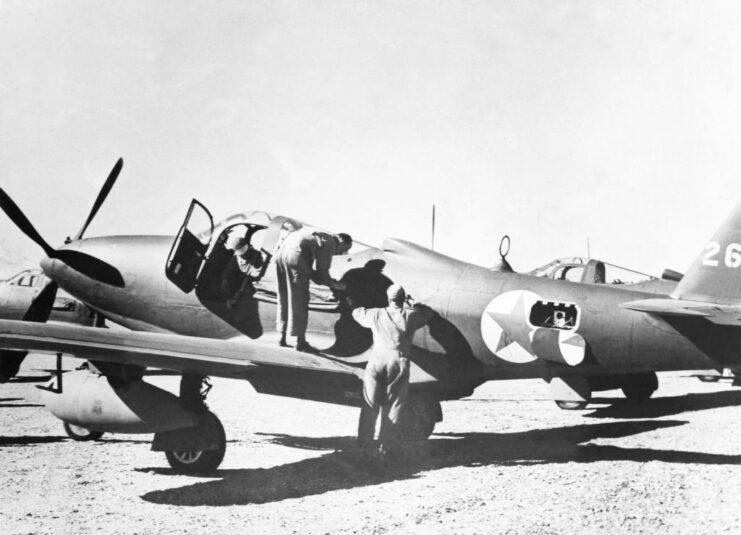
(557,123)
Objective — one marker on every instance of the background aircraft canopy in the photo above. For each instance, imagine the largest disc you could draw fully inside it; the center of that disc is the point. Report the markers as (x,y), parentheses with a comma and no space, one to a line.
(589,270)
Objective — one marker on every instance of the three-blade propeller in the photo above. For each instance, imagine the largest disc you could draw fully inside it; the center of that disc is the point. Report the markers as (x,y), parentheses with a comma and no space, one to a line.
(42,305)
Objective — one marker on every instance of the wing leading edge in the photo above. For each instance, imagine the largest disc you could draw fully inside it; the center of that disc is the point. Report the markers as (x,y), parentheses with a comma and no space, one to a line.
(186,354)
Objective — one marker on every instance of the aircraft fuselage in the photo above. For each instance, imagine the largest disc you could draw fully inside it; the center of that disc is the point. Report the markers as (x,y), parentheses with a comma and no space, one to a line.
(496,324)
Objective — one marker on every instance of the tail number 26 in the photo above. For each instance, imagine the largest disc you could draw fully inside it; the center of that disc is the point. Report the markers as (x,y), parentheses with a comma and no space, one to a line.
(732,257)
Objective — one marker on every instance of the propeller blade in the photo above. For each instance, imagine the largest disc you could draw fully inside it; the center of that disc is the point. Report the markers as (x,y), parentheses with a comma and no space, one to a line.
(101,196)
(21,221)
(42,305)
(95,268)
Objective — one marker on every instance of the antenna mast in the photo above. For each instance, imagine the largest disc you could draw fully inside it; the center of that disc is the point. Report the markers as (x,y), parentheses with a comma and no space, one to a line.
(432,244)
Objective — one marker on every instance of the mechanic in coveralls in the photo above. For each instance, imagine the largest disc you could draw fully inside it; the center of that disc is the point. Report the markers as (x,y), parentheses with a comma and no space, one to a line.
(386,379)
(305,255)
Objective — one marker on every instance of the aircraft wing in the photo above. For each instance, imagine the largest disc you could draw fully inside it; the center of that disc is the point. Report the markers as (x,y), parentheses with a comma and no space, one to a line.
(715,313)
(185,354)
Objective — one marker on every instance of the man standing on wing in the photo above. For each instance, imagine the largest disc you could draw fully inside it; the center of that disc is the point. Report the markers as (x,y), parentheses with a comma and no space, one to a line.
(304,256)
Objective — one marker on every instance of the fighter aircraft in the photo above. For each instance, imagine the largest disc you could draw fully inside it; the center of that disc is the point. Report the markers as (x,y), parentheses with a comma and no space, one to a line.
(580,335)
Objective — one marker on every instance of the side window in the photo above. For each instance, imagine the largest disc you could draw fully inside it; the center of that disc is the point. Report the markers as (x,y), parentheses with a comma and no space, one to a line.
(554,315)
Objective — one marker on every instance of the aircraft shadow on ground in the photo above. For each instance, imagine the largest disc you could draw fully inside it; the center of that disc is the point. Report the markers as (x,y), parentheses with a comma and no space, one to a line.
(345,470)
(668,406)
(29,440)
(9,403)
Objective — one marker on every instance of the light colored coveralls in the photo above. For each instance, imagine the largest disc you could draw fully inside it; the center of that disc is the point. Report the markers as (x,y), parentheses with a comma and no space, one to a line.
(386,379)
(304,255)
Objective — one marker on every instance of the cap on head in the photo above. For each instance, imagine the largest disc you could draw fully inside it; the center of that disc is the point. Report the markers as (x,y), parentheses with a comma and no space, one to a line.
(396,294)
(344,241)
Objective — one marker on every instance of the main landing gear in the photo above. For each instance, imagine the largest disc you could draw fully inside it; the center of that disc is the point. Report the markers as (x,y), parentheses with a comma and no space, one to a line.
(81,434)
(575,392)
(419,418)
(640,386)
(196,449)
(190,459)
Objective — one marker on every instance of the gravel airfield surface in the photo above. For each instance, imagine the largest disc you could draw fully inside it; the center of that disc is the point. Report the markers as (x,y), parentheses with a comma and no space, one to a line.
(505,460)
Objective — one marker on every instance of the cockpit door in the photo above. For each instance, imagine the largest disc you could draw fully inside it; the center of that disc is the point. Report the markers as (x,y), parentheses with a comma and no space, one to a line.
(189,248)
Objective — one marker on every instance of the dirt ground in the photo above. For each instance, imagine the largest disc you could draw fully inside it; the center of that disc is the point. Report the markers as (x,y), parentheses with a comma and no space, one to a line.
(505,460)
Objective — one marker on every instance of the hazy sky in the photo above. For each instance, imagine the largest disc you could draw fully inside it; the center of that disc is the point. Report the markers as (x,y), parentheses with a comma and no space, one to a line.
(550,121)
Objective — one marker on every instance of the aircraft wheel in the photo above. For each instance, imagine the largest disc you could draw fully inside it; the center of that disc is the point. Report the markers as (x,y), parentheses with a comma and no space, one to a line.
(419,419)
(709,378)
(571,405)
(81,434)
(200,461)
(641,386)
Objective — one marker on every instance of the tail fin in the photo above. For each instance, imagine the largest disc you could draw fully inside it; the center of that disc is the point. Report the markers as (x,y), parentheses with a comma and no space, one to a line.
(715,276)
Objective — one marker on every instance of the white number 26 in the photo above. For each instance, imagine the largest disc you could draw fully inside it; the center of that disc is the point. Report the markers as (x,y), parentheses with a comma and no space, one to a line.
(731,259)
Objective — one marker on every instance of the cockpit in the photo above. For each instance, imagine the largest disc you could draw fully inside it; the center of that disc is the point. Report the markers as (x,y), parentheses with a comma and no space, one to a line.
(28,278)
(228,264)
(589,271)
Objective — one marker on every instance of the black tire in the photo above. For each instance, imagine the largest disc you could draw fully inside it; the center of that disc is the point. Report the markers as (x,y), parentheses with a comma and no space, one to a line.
(641,386)
(419,419)
(200,461)
(571,405)
(81,434)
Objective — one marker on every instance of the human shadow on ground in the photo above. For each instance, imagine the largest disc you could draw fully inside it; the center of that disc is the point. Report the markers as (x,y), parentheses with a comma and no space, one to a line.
(668,406)
(346,470)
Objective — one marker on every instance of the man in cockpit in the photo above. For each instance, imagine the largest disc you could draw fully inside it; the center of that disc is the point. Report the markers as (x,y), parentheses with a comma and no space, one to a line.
(305,255)
(242,271)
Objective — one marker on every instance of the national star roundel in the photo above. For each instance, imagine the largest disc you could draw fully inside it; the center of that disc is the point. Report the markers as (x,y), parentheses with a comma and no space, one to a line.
(505,326)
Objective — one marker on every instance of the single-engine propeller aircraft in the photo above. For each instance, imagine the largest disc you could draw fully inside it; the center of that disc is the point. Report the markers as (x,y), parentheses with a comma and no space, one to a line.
(189,316)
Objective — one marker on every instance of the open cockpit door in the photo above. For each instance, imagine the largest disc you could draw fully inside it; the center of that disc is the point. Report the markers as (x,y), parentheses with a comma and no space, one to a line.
(189,248)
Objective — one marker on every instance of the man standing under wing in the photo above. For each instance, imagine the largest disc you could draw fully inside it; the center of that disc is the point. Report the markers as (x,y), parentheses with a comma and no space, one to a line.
(305,255)
(386,380)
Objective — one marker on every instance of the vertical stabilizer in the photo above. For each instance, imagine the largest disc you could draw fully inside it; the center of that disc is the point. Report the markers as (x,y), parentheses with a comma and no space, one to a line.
(715,276)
